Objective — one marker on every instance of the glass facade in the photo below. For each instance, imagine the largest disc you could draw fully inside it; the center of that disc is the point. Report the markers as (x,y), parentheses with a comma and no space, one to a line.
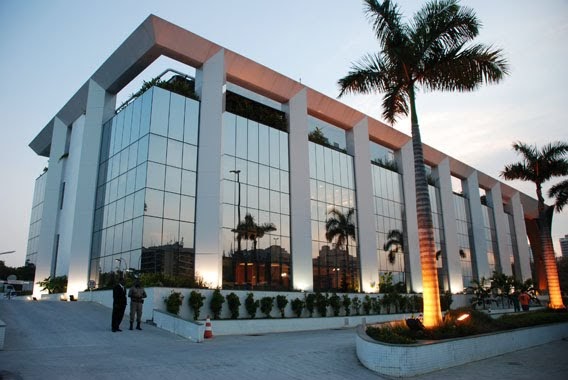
(145,204)
(512,243)
(35,219)
(464,231)
(255,182)
(439,240)
(389,216)
(332,187)
(490,238)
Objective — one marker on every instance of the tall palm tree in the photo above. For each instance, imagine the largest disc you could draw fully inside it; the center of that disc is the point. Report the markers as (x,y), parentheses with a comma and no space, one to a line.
(341,227)
(394,244)
(560,193)
(539,166)
(248,229)
(429,52)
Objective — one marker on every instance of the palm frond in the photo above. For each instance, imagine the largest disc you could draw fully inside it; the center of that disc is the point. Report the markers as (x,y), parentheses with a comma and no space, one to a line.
(560,193)
(395,103)
(385,19)
(367,76)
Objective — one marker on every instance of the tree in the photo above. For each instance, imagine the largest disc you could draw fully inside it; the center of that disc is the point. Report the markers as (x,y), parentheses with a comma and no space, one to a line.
(317,136)
(539,166)
(340,226)
(560,193)
(429,52)
(394,244)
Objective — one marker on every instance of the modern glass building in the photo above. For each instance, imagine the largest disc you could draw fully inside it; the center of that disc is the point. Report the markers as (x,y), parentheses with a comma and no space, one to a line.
(232,175)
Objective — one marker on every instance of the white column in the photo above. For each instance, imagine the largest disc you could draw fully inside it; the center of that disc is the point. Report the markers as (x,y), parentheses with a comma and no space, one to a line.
(208,258)
(405,160)
(452,257)
(471,190)
(300,219)
(522,240)
(48,230)
(495,198)
(358,146)
(100,107)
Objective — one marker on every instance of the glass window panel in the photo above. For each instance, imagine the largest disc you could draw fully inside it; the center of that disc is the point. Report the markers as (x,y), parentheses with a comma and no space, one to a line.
(173,179)
(132,155)
(229,133)
(121,191)
(141,176)
(285,225)
(171,206)
(152,236)
(264,176)
(119,218)
(252,173)
(105,140)
(189,157)
(228,192)
(129,207)
(176,122)
(263,144)
(187,209)
(274,148)
(171,232)
(117,132)
(135,128)
(252,196)
(242,166)
(126,236)
(284,185)
(186,234)
(252,141)
(263,217)
(126,130)
(156,175)
(312,159)
(160,111)
(263,199)
(98,223)
(157,149)
(336,168)
(228,216)
(191,121)
(283,151)
(115,160)
(123,161)
(328,162)
(320,162)
(284,203)
(102,174)
(241,142)
(136,233)
(275,218)
(146,112)
(117,246)
(130,181)
(143,149)
(274,179)
(154,203)
(113,190)
(109,240)
(188,183)
(100,197)
(274,201)
(313,189)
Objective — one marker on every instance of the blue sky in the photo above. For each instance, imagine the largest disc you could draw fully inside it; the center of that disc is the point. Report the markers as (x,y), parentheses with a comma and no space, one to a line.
(50,48)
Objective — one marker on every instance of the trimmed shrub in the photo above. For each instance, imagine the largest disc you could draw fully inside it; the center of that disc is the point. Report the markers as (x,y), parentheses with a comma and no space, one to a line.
(234,302)
(195,303)
(356,305)
(173,302)
(335,302)
(281,302)
(322,302)
(310,303)
(347,304)
(266,304)
(251,305)
(216,303)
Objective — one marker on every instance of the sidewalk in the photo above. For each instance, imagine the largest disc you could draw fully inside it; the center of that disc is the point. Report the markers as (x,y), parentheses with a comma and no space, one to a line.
(72,340)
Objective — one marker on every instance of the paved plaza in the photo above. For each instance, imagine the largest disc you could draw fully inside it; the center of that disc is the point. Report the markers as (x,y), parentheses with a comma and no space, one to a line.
(72,340)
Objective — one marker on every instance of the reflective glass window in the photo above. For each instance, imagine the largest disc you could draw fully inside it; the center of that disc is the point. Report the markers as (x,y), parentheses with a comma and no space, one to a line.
(177,116)
(173,179)
(174,153)
(143,149)
(154,203)
(156,176)
(189,157)
(187,209)
(146,111)
(191,121)
(171,206)
(170,231)
(157,149)
(152,236)
(160,112)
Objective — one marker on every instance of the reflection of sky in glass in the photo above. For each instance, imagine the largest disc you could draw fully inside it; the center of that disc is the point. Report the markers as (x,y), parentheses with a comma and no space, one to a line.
(335,135)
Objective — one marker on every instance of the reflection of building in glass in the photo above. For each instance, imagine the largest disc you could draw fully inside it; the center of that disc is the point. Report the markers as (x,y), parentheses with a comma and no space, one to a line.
(231,173)
(564,246)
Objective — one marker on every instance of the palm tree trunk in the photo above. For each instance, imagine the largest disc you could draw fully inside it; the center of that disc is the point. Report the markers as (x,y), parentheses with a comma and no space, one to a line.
(544,224)
(431,291)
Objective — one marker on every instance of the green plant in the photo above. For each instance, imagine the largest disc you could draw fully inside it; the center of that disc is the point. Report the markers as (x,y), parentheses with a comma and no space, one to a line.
(446,300)
(281,302)
(252,110)
(195,303)
(216,303)
(322,302)
(317,136)
(335,302)
(173,302)
(57,284)
(376,304)
(347,304)
(266,304)
(367,304)
(251,305)
(234,303)
(356,305)
(298,307)
(310,303)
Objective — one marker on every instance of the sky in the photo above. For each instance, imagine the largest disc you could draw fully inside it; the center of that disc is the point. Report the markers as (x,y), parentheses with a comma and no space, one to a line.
(50,48)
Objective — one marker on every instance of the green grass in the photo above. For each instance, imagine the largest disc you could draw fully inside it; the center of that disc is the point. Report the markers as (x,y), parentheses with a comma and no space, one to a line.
(477,323)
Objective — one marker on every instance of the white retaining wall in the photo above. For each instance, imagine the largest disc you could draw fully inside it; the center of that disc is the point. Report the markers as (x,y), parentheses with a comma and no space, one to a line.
(416,359)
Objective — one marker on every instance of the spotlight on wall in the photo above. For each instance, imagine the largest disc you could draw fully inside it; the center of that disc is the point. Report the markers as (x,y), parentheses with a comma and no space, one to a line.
(462,317)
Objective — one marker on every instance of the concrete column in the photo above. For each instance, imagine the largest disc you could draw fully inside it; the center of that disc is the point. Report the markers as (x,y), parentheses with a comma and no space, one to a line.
(405,161)
(452,257)
(358,146)
(300,225)
(100,107)
(48,230)
(208,257)
(523,266)
(480,262)
(495,198)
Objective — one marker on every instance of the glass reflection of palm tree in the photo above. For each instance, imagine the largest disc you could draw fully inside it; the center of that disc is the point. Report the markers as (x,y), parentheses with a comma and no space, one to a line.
(340,226)
(248,229)
(394,244)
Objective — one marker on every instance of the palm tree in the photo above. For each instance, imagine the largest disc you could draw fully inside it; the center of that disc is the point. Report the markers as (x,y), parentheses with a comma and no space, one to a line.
(394,244)
(340,226)
(539,166)
(249,230)
(560,193)
(429,52)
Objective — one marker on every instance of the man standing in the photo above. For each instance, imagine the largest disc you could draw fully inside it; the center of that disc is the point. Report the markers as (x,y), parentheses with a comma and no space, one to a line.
(118,304)
(524,300)
(137,295)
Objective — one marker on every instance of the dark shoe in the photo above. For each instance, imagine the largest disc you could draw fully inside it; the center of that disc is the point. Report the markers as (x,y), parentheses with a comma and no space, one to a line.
(131,323)
(118,330)
(113,330)
(138,326)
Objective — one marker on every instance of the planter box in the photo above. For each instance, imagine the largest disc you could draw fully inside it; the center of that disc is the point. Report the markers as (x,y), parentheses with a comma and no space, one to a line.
(417,359)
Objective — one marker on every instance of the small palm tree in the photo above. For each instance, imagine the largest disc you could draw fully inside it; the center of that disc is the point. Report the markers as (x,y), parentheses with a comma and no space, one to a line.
(341,227)
(429,52)
(394,244)
(539,166)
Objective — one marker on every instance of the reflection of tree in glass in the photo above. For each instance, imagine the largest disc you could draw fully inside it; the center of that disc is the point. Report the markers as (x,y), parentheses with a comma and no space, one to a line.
(394,244)
(340,226)
(318,137)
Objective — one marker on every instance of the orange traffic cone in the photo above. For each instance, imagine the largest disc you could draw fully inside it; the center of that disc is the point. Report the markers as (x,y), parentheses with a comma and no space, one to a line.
(208,330)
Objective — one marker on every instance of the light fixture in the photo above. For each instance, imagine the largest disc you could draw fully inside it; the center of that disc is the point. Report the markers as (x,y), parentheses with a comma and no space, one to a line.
(462,317)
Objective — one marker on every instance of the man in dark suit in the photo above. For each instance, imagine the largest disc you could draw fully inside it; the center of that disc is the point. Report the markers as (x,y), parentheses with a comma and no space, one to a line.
(118,304)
